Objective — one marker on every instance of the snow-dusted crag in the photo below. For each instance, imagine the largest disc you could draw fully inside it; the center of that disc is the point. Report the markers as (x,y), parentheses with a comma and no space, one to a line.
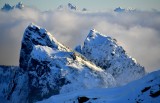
(53,68)
(68,7)
(119,9)
(8,7)
(122,10)
(107,54)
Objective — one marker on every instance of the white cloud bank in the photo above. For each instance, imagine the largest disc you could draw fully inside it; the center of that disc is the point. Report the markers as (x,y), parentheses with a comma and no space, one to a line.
(138,32)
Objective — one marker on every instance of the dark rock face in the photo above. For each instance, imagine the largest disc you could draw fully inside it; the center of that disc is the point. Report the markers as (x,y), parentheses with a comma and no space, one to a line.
(155,94)
(33,35)
(37,70)
(13,84)
(151,90)
(7,73)
(82,99)
(42,83)
(145,89)
(72,7)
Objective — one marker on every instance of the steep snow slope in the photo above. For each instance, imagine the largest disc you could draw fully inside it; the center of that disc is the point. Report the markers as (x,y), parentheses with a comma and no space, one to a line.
(145,90)
(106,53)
(53,68)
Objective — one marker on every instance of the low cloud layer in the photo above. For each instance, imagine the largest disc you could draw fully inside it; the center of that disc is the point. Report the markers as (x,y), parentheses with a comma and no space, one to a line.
(138,32)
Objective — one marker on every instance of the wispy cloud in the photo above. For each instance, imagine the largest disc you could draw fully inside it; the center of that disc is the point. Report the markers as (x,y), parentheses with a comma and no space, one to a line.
(138,32)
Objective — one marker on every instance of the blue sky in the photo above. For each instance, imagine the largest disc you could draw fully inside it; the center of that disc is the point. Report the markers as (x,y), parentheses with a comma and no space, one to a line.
(90,4)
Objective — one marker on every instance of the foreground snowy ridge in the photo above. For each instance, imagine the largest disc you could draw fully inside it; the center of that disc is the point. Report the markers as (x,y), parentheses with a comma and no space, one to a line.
(145,90)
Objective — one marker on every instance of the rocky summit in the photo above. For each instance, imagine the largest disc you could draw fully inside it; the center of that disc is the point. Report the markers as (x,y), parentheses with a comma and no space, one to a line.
(105,52)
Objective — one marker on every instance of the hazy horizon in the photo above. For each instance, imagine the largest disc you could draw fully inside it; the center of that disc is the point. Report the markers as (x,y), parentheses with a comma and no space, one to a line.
(89,4)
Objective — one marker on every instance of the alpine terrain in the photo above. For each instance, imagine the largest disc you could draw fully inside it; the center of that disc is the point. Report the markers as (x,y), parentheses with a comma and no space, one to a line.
(98,72)
(107,54)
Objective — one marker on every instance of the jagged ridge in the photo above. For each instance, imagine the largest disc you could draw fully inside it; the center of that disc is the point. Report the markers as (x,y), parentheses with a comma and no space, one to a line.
(106,53)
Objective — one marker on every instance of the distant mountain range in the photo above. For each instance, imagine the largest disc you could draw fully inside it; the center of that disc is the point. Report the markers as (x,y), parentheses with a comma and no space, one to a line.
(20,5)
(70,7)
(120,10)
(8,7)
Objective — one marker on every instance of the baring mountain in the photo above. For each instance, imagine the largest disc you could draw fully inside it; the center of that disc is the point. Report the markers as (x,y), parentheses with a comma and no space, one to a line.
(47,69)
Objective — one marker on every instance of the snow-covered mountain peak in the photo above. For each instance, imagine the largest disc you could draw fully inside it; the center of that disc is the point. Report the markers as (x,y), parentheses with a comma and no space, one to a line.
(92,33)
(8,7)
(95,38)
(19,5)
(53,68)
(119,9)
(95,34)
(106,53)
(69,6)
(35,35)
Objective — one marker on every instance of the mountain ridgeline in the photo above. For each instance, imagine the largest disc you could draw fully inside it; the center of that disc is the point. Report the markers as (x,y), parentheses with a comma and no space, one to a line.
(107,54)
(48,68)
(8,7)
